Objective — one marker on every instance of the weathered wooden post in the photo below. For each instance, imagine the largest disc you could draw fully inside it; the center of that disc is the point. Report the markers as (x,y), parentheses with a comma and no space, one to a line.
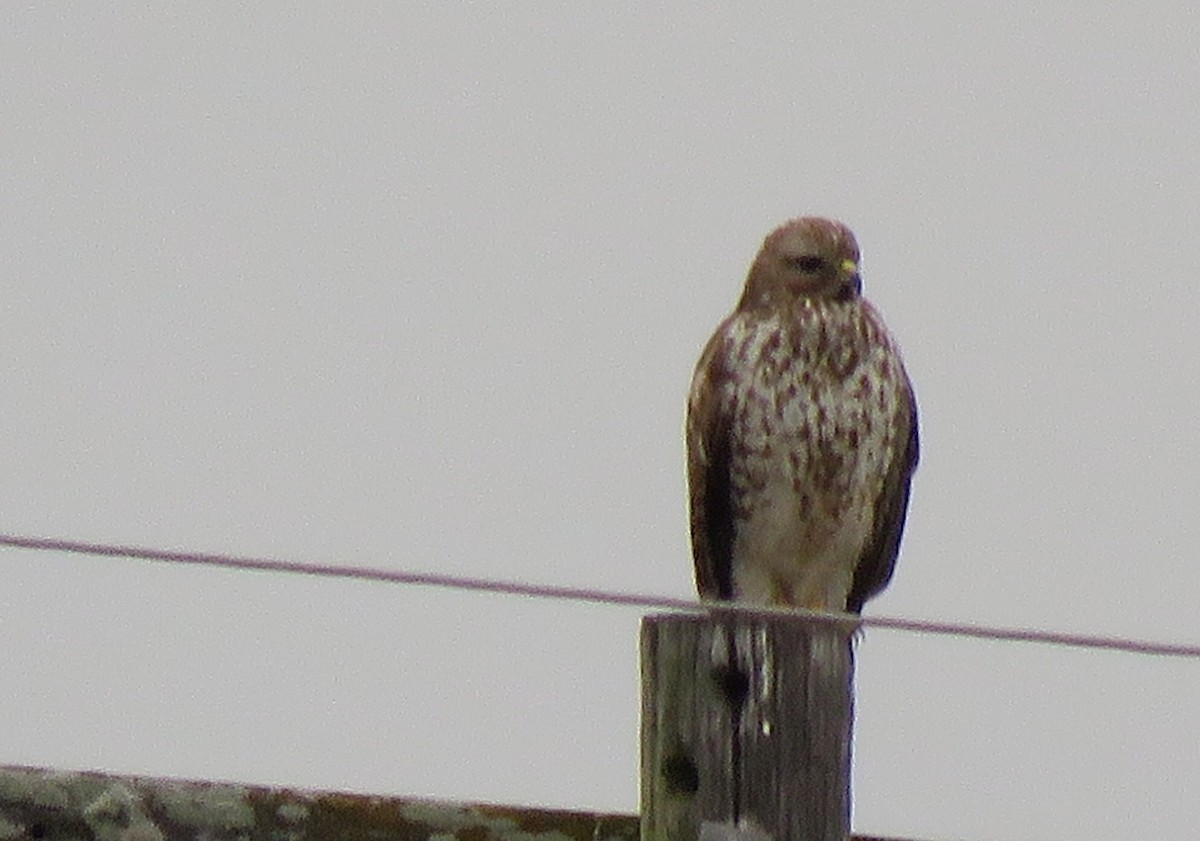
(746,724)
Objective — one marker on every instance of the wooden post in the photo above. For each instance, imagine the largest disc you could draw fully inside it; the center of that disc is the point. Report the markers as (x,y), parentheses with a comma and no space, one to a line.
(746,725)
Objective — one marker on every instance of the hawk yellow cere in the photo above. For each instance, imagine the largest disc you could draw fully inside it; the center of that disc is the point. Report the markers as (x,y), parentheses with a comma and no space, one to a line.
(801,433)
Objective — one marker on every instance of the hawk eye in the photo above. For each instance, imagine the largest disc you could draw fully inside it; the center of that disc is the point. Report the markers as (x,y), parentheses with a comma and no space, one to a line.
(806,263)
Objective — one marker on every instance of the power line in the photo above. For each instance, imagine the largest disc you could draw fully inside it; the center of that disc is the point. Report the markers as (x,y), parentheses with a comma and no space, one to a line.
(593,596)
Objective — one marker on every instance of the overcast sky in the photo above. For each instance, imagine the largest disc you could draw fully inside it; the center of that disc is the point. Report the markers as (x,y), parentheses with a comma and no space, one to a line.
(422,288)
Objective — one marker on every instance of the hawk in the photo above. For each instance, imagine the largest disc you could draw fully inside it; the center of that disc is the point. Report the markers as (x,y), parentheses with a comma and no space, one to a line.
(801,433)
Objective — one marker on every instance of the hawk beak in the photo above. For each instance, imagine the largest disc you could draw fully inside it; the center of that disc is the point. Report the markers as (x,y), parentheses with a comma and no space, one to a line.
(850,273)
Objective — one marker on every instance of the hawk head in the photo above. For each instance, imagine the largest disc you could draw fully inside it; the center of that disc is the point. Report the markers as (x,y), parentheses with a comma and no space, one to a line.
(805,258)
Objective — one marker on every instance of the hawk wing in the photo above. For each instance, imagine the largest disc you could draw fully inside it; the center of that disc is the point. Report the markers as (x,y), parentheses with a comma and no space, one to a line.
(709,493)
(878,560)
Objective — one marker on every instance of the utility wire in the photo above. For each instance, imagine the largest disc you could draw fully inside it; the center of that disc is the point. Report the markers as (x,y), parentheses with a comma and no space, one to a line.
(593,596)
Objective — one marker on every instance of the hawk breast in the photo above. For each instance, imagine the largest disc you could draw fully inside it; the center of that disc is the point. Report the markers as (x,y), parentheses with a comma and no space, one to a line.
(805,421)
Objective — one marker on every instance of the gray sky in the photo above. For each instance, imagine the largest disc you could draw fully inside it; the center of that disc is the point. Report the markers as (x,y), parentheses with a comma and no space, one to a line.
(422,288)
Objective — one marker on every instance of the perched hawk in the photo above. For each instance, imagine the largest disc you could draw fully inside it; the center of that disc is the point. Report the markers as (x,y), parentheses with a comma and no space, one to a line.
(801,433)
